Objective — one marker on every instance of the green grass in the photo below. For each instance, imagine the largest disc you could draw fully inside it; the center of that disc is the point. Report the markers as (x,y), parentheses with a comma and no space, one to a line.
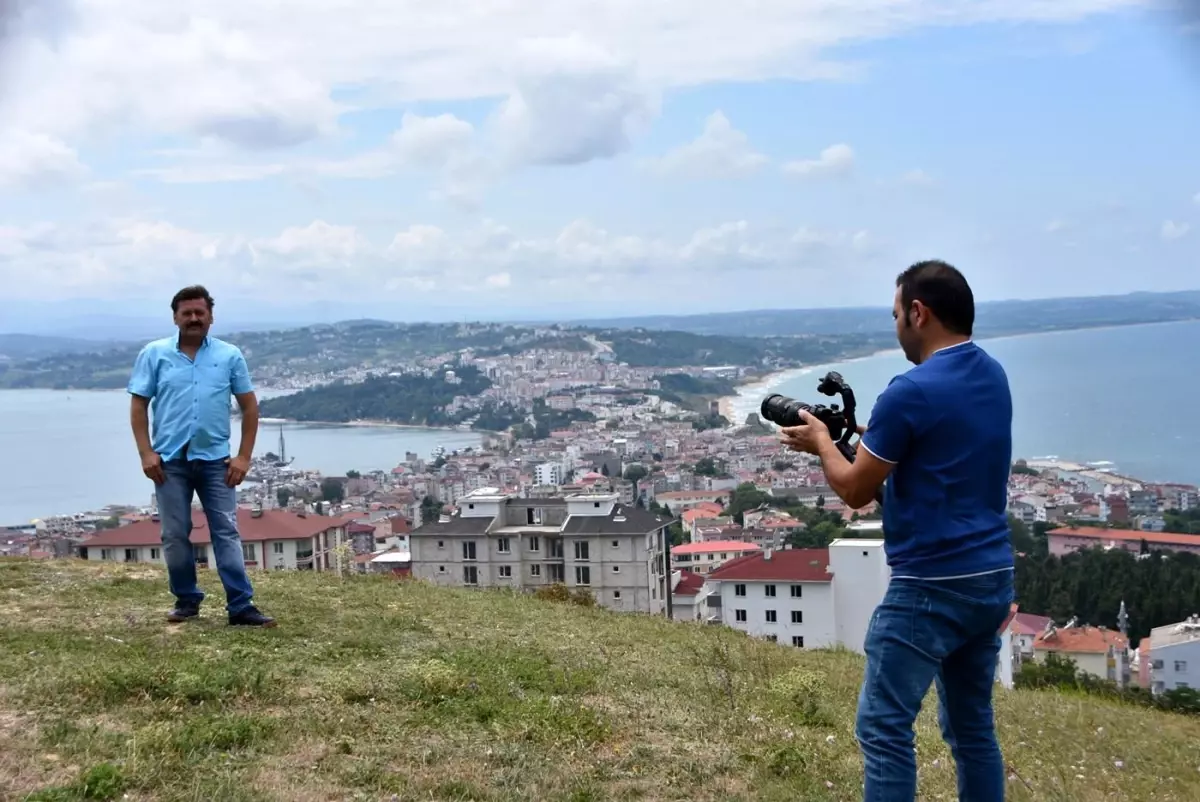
(375,689)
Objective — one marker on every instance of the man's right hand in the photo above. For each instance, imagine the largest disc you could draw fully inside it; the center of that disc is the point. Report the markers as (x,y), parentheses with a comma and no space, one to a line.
(152,466)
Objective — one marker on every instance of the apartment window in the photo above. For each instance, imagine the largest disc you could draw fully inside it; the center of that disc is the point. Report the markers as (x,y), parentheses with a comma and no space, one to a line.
(1181,666)
(277,547)
(155,554)
(797,617)
(506,572)
(557,573)
(250,552)
(441,569)
(583,575)
(770,616)
(131,555)
(797,590)
(1181,684)
(470,575)
(770,591)
(441,544)
(556,549)
(616,594)
(469,550)
(106,554)
(616,544)
(581,550)
(503,546)
(739,615)
(535,544)
(798,641)
(535,570)
(773,638)
(739,590)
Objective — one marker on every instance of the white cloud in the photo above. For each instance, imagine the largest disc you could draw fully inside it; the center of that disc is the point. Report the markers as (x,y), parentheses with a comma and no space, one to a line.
(335,261)
(28,159)
(918,178)
(721,151)
(1172,230)
(1196,199)
(249,75)
(835,160)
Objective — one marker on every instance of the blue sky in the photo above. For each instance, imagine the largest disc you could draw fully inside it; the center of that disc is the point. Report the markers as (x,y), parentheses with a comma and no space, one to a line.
(582,158)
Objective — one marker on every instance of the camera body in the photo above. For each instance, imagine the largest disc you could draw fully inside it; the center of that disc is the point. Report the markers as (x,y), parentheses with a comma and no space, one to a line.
(840,420)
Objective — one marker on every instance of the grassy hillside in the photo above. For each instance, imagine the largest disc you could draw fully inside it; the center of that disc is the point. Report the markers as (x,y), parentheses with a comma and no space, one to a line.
(377,690)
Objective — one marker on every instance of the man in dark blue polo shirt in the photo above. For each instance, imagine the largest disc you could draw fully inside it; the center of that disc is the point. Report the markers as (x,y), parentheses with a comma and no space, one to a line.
(941,437)
(187,381)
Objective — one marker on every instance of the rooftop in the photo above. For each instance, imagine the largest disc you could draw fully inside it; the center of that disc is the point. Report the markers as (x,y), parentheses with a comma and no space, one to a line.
(1080,640)
(708,546)
(787,565)
(271,525)
(1125,535)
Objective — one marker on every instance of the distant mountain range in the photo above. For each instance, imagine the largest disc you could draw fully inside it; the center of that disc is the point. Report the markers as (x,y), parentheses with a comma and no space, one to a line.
(993,318)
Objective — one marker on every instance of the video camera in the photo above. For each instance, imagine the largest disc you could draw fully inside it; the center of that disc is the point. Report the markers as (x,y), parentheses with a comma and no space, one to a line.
(840,421)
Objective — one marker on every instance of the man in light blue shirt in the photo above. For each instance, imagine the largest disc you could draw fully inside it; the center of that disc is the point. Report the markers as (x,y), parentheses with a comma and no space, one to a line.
(186,381)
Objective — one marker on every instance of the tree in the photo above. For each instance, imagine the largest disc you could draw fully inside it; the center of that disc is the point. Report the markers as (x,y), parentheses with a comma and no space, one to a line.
(604,469)
(707,466)
(636,473)
(745,497)
(332,490)
(353,475)
(1022,540)
(283,495)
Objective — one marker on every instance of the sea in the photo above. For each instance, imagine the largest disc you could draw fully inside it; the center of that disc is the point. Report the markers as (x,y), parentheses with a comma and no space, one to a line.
(1120,398)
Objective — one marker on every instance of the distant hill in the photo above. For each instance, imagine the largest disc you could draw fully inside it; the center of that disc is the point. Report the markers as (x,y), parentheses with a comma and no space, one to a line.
(14,347)
(993,318)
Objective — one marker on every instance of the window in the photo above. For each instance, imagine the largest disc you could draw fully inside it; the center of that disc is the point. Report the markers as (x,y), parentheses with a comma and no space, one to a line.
(441,569)
(797,590)
(250,552)
(535,544)
(739,590)
(556,549)
(770,590)
(1156,664)
(773,638)
(797,617)
(616,569)
(616,544)
(506,572)
(106,554)
(535,570)
(583,575)
(581,550)
(155,554)
(1181,666)
(131,555)
(277,547)
(1181,684)
(470,575)
(470,506)
(770,616)
(798,641)
(441,544)
(469,550)
(503,546)
(740,615)
(556,573)
(616,594)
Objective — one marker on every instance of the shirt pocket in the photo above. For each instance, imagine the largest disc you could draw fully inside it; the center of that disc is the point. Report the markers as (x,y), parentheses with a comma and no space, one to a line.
(215,376)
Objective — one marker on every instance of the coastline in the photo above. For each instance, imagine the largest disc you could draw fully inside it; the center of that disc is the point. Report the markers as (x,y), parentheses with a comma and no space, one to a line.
(373,424)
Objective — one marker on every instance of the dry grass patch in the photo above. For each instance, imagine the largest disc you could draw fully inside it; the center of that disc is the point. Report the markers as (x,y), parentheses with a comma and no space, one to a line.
(372,689)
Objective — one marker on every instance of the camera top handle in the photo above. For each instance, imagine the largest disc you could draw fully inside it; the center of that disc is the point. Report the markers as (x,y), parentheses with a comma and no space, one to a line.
(834,384)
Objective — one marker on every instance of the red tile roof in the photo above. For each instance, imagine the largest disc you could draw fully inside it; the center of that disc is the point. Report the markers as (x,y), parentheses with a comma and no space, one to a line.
(689,584)
(1029,624)
(1102,534)
(272,525)
(708,546)
(787,565)
(1081,640)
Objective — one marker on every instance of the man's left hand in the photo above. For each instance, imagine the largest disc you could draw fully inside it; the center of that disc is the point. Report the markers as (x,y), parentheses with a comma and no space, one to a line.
(236,471)
(807,438)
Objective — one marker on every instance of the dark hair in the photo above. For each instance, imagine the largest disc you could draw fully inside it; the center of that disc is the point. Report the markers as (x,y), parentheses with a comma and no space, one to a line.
(195,292)
(943,289)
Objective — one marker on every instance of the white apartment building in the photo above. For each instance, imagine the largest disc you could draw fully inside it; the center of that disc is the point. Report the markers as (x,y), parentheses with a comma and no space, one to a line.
(1175,656)
(582,540)
(706,556)
(548,473)
(271,540)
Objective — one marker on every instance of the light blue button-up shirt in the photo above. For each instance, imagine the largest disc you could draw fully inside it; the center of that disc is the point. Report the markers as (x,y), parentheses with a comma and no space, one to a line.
(190,399)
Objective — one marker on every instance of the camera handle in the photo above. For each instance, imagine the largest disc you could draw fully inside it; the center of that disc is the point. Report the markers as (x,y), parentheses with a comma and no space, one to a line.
(834,384)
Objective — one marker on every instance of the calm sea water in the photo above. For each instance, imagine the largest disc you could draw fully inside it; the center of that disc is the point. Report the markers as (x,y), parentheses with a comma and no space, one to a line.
(1125,396)
(69,451)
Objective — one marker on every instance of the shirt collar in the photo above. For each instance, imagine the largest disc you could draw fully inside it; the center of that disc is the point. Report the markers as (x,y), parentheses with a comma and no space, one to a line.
(203,342)
(952,347)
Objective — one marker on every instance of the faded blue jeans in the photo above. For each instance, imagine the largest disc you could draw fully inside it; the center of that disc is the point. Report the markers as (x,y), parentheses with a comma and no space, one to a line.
(206,479)
(933,632)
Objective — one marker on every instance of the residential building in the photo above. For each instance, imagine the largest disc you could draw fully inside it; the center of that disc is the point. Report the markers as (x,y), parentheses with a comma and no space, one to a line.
(705,556)
(1095,650)
(689,600)
(1174,655)
(781,595)
(1067,539)
(583,540)
(271,539)
(1025,627)
(548,473)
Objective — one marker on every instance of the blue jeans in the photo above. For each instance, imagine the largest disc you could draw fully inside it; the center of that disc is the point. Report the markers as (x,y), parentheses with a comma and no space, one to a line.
(206,479)
(925,632)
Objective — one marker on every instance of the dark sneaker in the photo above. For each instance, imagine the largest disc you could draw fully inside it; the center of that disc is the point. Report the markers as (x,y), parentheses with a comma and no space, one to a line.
(183,612)
(251,617)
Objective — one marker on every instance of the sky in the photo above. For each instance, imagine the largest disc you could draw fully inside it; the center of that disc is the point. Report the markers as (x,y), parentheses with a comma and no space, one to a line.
(477,159)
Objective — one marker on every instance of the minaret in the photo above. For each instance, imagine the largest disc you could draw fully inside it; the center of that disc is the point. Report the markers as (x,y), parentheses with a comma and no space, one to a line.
(1123,626)
(282,446)
(1123,620)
